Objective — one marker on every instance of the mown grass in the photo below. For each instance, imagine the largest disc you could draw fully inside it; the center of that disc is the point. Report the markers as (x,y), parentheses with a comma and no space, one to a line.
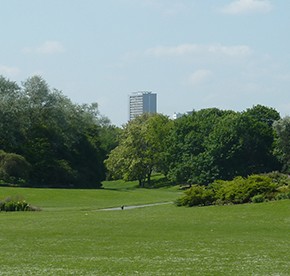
(72,236)
(113,194)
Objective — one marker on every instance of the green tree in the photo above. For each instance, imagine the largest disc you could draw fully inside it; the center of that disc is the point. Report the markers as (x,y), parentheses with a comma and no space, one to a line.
(282,129)
(141,149)
(243,143)
(13,168)
(263,114)
(214,144)
(60,140)
(188,159)
(12,115)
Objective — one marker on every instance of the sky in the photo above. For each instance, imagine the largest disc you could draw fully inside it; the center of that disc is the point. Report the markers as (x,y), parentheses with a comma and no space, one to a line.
(195,54)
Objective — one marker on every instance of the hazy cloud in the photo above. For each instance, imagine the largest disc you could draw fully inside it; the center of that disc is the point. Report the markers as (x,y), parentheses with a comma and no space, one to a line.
(179,50)
(190,49)
(9,71)
(199,76)
(238,50)
(247,6)
(47,48)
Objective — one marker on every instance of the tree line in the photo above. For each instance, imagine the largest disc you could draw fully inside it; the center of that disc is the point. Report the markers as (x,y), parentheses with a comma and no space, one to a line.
(203,146)
(48,141)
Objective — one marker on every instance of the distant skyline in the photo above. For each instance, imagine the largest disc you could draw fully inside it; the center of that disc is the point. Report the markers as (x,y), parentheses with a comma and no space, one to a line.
(229,54)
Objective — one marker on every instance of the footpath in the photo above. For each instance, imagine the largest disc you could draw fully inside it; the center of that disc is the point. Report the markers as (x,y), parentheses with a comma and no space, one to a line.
(124,207)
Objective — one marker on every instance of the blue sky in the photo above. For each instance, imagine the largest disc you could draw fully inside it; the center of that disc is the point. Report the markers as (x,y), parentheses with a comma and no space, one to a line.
(230,54)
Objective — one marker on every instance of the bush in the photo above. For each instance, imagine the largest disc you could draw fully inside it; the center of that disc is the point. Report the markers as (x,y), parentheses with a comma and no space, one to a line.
(196,195)
(258,199)
(12,205)
(242,190)
(279,178)
(281,196)
(255,188)
(14,168)
(284,189)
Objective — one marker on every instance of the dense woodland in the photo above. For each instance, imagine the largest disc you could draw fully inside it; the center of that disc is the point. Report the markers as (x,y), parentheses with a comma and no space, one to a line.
(48,141)
(204,146)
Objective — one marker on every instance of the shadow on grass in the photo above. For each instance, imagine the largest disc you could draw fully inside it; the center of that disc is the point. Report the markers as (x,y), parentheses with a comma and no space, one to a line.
(121,189)
(120,185)
(159,183)
(156,182)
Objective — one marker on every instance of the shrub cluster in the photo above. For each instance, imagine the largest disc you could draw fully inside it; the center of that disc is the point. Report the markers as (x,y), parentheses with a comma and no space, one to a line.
(12,205)
(14,169)
(255,188)
(196,196)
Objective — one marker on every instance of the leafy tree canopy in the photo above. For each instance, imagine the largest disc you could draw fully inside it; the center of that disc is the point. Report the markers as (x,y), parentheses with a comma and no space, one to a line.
(141,149)
(61,140)
(213,144)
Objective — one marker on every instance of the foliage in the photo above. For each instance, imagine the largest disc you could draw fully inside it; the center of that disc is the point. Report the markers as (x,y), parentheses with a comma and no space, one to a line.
(282,128)
(65,143)
(254,188)
(213,144)
(263,114)
(141,149)
(13,168)
(282,196)
(196,196)
(242,145)
(15,204)
(241,190)
(109,137)
(258,198)
(187,157)
(281,179)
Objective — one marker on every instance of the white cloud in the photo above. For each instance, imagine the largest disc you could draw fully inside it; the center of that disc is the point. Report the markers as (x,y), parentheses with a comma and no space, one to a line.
(179,50)
(191,49)
(237,50)
(9,71)
(199,76)
(47,48)
(247,6)
(50,47)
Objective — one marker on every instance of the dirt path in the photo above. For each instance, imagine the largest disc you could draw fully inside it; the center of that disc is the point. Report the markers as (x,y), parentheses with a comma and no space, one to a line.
(133,206)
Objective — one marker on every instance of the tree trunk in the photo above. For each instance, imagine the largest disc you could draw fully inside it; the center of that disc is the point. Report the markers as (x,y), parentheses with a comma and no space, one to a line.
(149,179)
(141,183)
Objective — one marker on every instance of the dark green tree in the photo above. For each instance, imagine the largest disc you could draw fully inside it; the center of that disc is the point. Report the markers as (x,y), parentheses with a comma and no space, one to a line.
(188,159)
(263,114)
(213,144)
(13,168)
(243,143)
(13,119)
(60,140)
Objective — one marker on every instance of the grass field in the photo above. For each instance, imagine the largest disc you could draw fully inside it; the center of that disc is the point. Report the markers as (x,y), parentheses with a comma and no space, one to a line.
(73,236)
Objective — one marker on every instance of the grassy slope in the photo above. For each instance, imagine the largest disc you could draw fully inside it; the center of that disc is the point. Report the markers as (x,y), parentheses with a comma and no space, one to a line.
(71,238)
(115,193)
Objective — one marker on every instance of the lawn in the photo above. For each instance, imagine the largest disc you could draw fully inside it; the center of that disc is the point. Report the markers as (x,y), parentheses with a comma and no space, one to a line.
(73,236)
